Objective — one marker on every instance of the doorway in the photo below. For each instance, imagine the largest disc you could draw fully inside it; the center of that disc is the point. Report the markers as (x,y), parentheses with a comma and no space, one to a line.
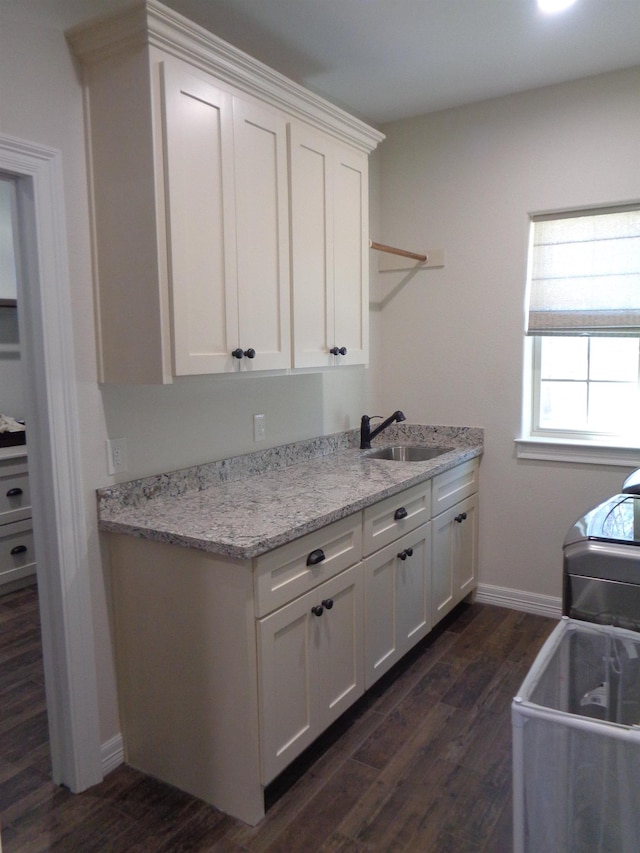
(45,332)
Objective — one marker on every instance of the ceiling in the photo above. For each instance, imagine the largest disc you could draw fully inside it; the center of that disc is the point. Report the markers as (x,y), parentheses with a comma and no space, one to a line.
(391,59)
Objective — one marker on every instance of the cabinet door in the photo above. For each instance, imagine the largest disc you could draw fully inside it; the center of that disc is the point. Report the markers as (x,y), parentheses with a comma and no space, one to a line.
(262,231)
(397,600)
(312,247)
(329,227)
(338,634)
(351,255)
(289,709)
(310,667)
(199,172)
(455,537)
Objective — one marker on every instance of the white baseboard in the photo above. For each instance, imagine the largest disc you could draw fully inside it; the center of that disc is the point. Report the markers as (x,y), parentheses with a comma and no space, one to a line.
(517,599)
(112,754)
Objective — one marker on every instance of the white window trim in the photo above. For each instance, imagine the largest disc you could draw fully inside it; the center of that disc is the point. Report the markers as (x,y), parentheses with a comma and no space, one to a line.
(555,448)
(585,452)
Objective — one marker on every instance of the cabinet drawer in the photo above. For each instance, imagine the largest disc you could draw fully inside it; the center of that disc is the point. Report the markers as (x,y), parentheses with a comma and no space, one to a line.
(17,554)
(287,572)
(15,498)
(454,485)
(393,517)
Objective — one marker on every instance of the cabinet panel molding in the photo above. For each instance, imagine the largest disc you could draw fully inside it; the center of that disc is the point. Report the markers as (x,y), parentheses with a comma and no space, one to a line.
(398,607)
(198,129)
(311,652)
(330,256)
(455,555)
(390,518)
(262,211)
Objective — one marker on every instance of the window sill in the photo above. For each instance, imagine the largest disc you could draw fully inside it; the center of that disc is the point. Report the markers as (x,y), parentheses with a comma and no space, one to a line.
(565,450)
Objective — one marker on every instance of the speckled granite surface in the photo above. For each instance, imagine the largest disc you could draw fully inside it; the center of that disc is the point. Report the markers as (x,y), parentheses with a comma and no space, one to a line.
(247,505)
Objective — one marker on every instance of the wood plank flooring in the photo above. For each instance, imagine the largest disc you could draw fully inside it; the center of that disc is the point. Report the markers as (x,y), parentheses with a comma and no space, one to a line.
(422,763)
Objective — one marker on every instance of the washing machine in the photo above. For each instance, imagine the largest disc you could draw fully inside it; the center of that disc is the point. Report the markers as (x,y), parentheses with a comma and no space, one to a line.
(601,562)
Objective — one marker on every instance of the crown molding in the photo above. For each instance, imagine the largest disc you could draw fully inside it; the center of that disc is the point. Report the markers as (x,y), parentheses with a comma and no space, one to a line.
(147,23)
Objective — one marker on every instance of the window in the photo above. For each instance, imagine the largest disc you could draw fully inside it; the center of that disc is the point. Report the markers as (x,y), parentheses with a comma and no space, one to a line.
(584,324)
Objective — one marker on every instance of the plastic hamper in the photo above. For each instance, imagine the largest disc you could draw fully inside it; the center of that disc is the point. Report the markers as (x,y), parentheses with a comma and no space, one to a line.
(576,743)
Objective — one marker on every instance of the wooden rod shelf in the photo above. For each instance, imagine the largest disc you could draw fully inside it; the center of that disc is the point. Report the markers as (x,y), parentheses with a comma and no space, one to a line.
(391,250)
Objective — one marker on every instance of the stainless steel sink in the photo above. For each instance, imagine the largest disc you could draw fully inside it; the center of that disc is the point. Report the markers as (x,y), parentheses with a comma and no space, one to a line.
(406,453)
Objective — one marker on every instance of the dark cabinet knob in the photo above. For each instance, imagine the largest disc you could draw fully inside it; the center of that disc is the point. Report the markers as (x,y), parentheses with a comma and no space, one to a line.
(14,493)
(342,350)
(400,513)
(460,518)
(328,603)
(318,610)
(338,350)
(250,353)
(408,552)
(19,549)
(315,557)
(237,353)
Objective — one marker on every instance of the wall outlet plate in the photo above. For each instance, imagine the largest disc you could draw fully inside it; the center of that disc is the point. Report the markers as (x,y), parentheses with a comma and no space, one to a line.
(116,455)
(259,428)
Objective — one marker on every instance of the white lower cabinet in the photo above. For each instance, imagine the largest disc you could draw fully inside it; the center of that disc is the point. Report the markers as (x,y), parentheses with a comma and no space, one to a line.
(397,600)
(455,538)
(310,658)
(228,669)
(17,555)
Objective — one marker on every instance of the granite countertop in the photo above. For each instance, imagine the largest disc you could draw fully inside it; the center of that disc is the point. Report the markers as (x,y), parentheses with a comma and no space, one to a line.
(247,505)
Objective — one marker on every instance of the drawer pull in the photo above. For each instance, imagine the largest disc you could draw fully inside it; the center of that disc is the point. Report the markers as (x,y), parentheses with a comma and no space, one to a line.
(318,610)
(13,493)
(400,513)
(460,518)
(19,549)
(408,552)
(328,603)
(315,557)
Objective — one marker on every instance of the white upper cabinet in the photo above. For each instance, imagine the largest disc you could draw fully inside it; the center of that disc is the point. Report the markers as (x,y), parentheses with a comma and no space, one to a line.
(191,189)
(329,232)
(227,213)
(201,222)
(262,233)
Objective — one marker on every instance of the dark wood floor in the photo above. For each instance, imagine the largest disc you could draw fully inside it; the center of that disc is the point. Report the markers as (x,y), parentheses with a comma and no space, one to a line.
(423,763)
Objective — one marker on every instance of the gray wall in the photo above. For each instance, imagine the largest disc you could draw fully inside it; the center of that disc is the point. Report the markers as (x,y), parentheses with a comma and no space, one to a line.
(451,342)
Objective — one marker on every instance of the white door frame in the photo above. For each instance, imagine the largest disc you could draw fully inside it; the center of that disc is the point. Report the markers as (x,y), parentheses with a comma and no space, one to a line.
(60,532)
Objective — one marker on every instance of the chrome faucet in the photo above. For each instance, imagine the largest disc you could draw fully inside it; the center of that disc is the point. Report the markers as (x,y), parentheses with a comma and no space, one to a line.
(366,434)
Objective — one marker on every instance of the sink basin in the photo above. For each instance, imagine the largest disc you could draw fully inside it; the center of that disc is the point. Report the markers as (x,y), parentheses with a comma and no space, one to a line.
(407,453)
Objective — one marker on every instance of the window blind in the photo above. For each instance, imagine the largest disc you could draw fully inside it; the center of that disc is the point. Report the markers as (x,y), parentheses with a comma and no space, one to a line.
(585,274)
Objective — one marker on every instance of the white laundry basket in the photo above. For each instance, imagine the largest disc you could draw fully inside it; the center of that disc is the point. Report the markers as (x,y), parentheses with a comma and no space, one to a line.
(576,743)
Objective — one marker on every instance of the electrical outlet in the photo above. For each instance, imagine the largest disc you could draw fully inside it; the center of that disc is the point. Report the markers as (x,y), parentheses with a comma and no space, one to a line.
(259,428)
(116,455)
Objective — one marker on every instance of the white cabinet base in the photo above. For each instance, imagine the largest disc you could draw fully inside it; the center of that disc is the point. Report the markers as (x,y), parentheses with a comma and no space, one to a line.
(229,669)
(311,667)
(397,600)
(186,659)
